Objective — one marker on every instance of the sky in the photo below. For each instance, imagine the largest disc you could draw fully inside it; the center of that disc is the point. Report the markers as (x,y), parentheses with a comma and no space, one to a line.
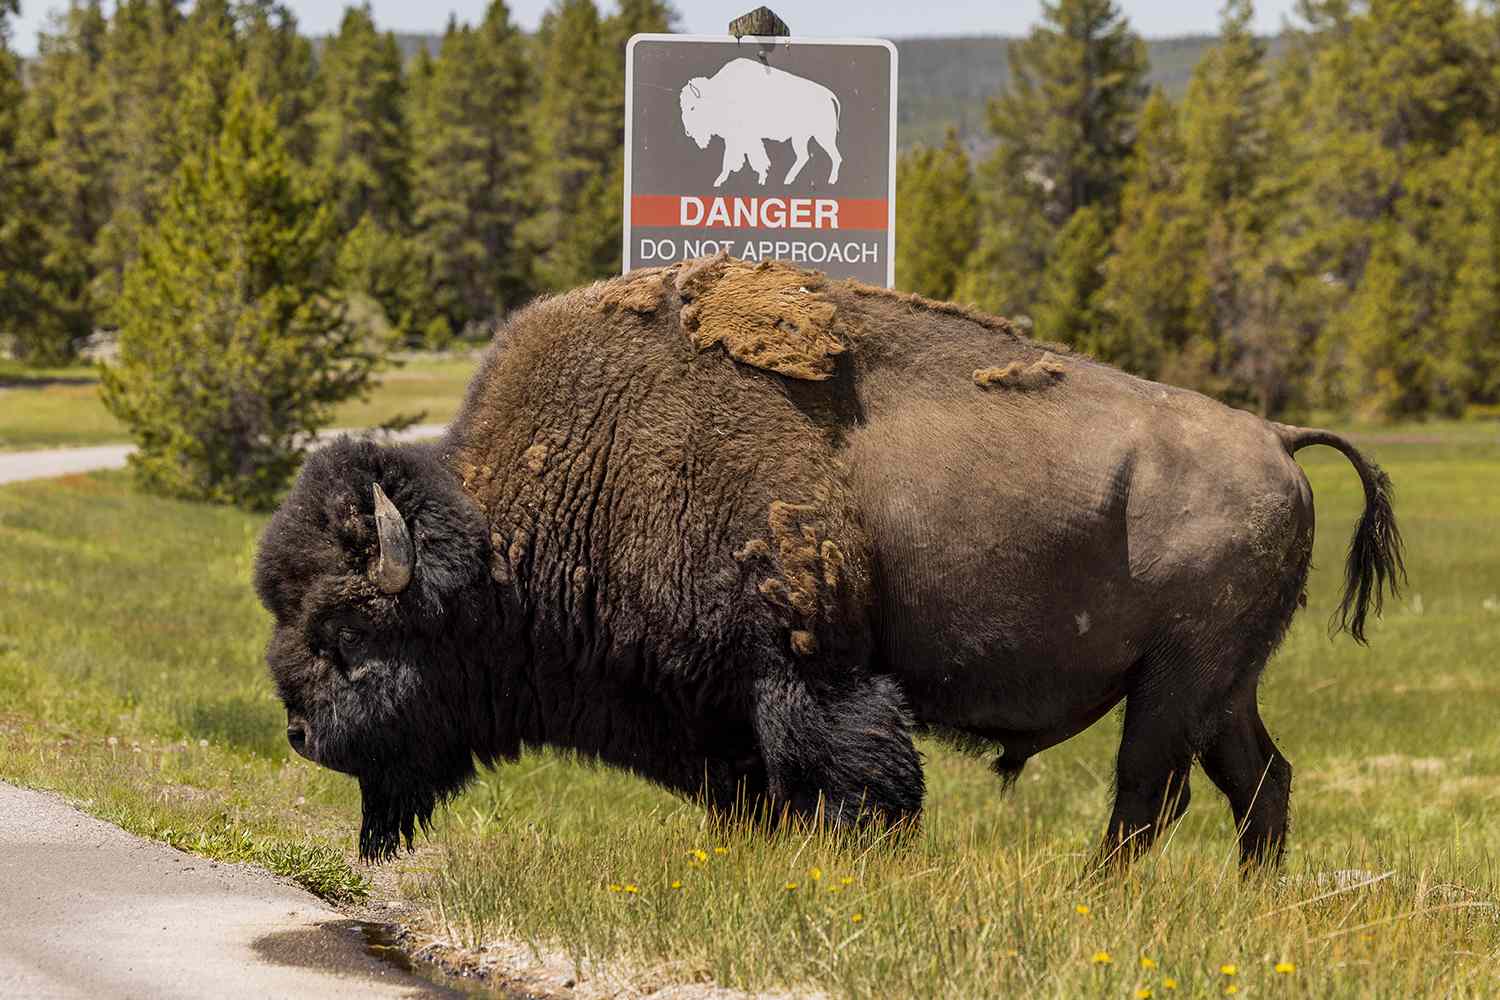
(865,18)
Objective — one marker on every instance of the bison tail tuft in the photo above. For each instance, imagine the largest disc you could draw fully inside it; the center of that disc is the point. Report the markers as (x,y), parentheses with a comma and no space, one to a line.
(1376,565)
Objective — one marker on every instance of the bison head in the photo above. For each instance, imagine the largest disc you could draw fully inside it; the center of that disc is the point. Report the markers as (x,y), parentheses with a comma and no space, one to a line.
(372,568)
(696,120)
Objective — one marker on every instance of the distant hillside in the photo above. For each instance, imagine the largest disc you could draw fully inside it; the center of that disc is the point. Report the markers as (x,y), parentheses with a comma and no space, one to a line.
(949,80)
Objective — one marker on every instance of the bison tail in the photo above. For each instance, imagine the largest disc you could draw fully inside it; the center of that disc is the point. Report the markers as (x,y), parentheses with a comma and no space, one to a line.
(1376,564)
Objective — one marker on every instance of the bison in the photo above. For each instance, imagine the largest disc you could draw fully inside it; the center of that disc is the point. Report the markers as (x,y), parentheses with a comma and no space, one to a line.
(747,103)
(742,530)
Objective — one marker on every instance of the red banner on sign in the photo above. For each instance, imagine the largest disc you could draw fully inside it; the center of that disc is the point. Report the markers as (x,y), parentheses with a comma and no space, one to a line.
(752,212)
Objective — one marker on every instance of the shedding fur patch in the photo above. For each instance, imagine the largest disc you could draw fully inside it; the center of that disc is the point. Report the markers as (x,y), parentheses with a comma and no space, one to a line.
(915,301)
(639,291)
(535,459)
(804,643)
(1021,376)
(752,549)
(769,315)
(808,568)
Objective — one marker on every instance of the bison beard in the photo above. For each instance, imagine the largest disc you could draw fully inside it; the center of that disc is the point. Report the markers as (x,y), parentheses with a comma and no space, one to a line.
(740,530)
(397,800)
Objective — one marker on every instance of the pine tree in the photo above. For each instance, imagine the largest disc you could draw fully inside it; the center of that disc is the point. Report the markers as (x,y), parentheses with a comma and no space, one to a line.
(935,218)
(1153,290)
(1386,98)
(1234,188)
(233,343)
(1065,128)
(576,232)
(363,141)
(210,55)
(1069,307)
(69,123)
(141,75)
(633,17)
(473,158)
(279,63)
(35,307)
(1471,314)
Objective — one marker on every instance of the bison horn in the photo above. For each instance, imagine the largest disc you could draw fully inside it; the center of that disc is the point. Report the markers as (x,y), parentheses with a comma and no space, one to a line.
(694,89)
(392,572)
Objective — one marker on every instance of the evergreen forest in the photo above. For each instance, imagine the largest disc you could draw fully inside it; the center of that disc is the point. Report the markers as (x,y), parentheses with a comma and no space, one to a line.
(1301,225)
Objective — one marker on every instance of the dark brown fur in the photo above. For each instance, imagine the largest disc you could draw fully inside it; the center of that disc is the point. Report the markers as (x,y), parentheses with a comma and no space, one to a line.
(736,527)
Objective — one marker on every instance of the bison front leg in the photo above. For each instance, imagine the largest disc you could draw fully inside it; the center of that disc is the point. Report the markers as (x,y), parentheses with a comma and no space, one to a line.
(760,160)
(845,752)
(734,158)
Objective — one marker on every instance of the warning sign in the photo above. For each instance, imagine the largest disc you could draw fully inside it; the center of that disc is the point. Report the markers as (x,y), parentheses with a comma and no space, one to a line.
(768,148)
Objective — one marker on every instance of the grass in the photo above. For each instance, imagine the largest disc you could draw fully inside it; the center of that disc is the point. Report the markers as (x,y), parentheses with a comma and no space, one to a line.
(60,407)
(110,626)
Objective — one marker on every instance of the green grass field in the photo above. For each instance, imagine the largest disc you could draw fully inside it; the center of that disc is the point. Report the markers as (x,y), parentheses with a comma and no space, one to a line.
(131,680)
(60,407)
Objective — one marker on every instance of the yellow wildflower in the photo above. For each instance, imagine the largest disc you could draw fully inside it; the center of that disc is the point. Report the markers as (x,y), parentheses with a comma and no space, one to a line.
(699,855)
(1229,970)
(1143,994)
(815,873)
(721,850)
(1148,963)
(1102,958)
(856,918)
(615,887)
(846,880)
(791,887)
(1285,967)
(1169,983)
(1231,990)
(677,883)
(632,888)
(1081,910)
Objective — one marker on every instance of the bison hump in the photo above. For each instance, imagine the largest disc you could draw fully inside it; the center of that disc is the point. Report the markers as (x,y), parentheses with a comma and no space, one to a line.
(768,314)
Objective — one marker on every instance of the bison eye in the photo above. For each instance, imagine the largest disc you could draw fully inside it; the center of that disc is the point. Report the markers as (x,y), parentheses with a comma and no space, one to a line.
(351,645)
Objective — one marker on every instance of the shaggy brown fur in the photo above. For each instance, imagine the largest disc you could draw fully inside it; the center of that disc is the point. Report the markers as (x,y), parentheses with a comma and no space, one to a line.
(640,291)
(744,573)
(769,315)
(1020,375)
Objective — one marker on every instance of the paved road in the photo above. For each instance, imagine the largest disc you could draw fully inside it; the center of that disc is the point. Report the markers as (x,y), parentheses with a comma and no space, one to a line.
(47,463)
(88,910)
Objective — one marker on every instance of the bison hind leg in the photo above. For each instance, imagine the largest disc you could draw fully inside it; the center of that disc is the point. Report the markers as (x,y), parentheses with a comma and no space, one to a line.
(1152,770)
(1244,762)
(844,753)
(828,139)
(799,146)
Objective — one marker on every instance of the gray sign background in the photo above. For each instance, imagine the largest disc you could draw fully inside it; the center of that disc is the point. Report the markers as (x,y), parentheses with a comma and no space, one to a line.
(663,160)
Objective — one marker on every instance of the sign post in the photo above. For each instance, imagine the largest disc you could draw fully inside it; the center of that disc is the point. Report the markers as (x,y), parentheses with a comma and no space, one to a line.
(765,147)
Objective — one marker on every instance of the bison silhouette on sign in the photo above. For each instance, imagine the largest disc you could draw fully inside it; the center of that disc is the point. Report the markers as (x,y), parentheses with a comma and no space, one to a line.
(746,103)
